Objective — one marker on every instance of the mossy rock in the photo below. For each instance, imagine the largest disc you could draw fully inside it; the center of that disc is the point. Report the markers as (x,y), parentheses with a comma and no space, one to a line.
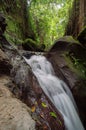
(74,53)
(62,43)
(76,59)
(29,44)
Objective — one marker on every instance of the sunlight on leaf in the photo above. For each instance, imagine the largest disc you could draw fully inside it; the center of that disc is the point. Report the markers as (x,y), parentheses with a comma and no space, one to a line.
(44,104)
(53,114)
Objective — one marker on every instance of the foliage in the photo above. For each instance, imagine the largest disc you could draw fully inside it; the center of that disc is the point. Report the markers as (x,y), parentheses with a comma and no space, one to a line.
(53,114)
(43,20)
(16,15)
(44,104)
(77,65)
(48,19)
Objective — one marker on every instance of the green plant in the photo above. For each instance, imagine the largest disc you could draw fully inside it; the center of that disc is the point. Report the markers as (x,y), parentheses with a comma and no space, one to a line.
(48,19)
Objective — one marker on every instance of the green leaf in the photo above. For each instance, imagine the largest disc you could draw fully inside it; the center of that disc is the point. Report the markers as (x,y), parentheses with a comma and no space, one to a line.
(53,114)
(60,122)
(44,104)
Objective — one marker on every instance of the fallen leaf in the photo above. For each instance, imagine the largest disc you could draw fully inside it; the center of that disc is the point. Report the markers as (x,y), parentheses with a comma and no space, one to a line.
(42,115)
(33,109)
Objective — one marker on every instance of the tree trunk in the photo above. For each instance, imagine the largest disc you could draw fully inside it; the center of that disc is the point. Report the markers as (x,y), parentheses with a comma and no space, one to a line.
(81,15)
(77,18)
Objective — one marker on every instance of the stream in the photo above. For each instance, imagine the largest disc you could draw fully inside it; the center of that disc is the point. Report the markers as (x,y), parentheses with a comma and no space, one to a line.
(57,91)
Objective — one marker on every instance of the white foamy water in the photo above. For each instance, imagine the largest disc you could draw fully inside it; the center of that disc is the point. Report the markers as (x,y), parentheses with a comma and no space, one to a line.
(57,91)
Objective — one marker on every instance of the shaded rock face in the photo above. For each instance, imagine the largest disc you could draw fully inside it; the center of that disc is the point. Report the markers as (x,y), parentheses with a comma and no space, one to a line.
(82,37)
(2,24)
(63,71)
(14,115)
(62,43)
(79,92)
(5,65)
(31,45)
(56,57)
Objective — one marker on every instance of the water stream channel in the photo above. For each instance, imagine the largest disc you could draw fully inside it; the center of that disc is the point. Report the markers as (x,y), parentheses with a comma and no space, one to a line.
(57,91)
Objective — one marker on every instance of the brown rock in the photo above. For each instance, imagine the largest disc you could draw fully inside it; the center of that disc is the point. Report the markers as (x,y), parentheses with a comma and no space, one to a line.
(60,51)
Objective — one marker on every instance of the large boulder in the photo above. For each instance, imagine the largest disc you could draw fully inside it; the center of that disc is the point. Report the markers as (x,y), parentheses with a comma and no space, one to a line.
(70,57)
(14,115)
(62,43)
(57,56)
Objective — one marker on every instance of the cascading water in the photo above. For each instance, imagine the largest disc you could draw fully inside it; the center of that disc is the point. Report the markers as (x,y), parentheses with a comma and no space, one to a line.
(57,91)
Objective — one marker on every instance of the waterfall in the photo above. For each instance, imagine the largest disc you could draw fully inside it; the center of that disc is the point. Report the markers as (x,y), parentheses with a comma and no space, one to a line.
(57,91)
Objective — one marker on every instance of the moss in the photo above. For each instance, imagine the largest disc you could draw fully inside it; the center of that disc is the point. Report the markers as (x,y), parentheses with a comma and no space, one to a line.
(68,39)
(29,44)
(76,65)
(13,32)
(29,40)
(71,39)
